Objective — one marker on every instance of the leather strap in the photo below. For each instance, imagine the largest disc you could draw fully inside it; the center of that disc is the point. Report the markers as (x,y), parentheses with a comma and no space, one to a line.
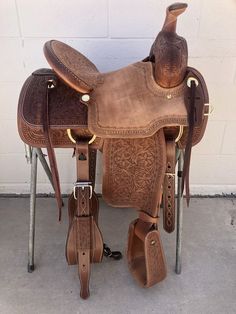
(148,218)
(83,217)
(192,118)
(50,150)
(169,188)
(96,252)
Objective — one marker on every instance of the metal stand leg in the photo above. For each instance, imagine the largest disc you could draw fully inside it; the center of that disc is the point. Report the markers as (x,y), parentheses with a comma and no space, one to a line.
(179,215)
(44,164)
(33,181)
(28,153)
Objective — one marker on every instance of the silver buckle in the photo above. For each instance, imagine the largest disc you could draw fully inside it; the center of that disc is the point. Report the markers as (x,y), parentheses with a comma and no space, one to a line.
(83,185)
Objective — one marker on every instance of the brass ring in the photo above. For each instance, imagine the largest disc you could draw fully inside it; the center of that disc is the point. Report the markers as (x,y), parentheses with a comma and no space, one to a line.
(181,131)
(74,141)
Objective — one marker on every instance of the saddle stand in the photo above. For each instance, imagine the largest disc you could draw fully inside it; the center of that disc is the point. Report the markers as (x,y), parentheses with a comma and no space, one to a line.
(138,117)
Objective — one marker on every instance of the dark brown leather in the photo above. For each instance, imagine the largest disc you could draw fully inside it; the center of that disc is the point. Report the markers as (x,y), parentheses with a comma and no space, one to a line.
(51,154)
(169,187)
(66,111)
(136,113)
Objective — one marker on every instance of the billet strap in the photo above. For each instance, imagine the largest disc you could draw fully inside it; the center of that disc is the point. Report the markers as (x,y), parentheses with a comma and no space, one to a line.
(145,254)
(169,188)
(50,150)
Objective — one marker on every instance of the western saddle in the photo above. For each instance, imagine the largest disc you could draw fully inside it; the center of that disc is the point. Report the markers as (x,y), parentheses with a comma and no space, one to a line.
(136,116)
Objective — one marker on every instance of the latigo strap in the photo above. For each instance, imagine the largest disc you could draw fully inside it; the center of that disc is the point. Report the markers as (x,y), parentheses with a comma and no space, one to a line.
(51,153)
(194,118)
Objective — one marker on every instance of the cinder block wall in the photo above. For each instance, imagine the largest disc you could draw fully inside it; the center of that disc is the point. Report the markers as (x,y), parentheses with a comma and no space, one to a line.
(113,34)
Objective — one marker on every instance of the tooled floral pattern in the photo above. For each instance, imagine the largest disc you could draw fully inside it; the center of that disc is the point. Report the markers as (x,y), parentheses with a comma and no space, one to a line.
(134,170)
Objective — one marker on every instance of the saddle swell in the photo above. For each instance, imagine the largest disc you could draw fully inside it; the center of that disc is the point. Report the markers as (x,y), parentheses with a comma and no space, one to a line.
(137,114)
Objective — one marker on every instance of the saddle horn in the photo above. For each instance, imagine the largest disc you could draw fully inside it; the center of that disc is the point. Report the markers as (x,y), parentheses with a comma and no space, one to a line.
(169,52)
(172,12)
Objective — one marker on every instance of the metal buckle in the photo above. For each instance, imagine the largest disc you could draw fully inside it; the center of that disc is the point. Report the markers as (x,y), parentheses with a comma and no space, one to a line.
(210,110)
(83,185)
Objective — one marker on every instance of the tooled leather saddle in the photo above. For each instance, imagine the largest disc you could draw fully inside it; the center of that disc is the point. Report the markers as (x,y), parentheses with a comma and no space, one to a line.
(136,116)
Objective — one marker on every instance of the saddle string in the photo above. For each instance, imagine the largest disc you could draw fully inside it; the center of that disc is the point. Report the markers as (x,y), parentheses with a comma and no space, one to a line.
(50,150)
(188,149)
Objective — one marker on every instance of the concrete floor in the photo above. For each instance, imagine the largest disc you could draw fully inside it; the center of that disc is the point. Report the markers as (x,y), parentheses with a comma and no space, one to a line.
(207,283)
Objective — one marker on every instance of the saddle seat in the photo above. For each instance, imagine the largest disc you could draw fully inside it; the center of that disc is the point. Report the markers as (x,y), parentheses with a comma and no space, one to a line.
(127,103)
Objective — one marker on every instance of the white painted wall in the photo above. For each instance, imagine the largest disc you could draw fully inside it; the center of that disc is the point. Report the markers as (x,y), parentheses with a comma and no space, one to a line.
(114,33)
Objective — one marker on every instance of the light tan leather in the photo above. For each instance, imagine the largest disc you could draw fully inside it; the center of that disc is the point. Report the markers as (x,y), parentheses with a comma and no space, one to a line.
(96,252)
(145,254)
(133,173)
(84,241)
(117,109)
(172,12)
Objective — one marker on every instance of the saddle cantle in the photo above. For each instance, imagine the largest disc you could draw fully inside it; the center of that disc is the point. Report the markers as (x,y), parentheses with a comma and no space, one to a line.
(136,116)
